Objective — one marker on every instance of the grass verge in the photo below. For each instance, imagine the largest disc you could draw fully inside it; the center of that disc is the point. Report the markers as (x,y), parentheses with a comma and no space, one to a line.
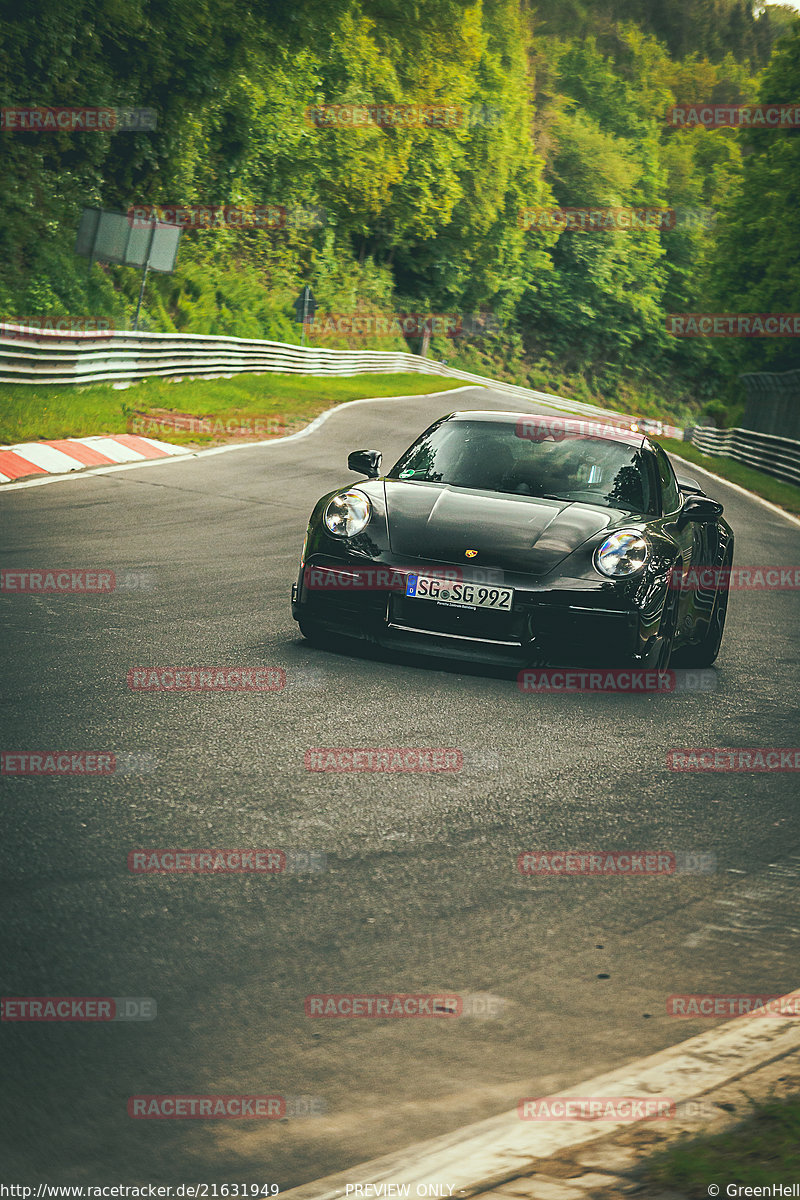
(777,491)
(282,403)
(765,1149)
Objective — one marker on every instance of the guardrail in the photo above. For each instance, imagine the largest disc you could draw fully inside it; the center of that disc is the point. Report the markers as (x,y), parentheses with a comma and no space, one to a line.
(778,456)
(50,357)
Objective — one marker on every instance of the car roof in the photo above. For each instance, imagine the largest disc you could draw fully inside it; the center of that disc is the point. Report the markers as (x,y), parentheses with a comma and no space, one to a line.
(598,427)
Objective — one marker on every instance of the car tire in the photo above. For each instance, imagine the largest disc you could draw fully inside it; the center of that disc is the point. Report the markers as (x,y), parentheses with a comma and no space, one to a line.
(311,631)
(664,656)
(704,653)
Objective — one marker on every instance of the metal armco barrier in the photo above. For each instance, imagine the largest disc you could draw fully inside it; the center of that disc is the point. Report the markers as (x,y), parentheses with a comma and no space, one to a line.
(47,357)
(86,358)
(778,456)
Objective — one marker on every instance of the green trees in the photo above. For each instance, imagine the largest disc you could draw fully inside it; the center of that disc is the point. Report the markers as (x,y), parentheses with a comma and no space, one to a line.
(709,28)
(601,301)
(562,105)
(756,267)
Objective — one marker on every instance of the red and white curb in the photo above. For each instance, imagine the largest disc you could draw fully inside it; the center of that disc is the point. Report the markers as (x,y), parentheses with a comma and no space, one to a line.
(75,454)
(500,1149)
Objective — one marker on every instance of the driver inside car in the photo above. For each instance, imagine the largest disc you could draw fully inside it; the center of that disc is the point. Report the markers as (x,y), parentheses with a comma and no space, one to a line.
(483,463)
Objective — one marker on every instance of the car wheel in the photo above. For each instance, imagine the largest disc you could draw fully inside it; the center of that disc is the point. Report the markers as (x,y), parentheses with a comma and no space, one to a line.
(669,621)
(704,652)
(311,631)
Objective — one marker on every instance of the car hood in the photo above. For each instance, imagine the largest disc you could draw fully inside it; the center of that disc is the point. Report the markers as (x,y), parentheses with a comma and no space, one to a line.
(515,533)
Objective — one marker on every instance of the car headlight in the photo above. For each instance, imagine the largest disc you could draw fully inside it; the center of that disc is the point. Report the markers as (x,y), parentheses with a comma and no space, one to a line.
(347,514)
(624,553)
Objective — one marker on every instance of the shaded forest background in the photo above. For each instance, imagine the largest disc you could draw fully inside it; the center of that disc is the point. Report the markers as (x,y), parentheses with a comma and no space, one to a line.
(574,96)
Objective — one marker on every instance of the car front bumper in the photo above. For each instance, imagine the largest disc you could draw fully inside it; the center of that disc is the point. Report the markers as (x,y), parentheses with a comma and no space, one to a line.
(557,622)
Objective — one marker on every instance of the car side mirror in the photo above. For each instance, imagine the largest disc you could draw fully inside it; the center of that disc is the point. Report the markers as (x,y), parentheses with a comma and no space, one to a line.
(366,462)
(698,508)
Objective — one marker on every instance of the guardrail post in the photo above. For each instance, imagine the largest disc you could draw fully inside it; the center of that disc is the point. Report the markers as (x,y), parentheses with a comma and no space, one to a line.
(145,269)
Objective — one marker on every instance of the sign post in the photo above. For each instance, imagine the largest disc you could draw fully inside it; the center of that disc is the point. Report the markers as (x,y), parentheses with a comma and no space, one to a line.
(145,269)
(305,307)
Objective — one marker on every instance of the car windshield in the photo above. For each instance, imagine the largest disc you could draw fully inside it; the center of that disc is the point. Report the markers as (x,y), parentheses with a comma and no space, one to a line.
(491,456)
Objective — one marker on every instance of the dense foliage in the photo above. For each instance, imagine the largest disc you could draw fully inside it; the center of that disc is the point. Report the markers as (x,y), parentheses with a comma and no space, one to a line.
(563,103)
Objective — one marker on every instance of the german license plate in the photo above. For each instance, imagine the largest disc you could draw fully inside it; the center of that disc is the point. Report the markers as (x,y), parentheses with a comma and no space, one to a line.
(463,595)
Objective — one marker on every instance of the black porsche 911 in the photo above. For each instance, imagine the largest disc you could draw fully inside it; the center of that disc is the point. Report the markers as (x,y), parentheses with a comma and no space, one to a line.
(519,538)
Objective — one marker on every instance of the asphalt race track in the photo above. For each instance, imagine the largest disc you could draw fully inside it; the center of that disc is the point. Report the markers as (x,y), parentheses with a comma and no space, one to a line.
(421,891)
